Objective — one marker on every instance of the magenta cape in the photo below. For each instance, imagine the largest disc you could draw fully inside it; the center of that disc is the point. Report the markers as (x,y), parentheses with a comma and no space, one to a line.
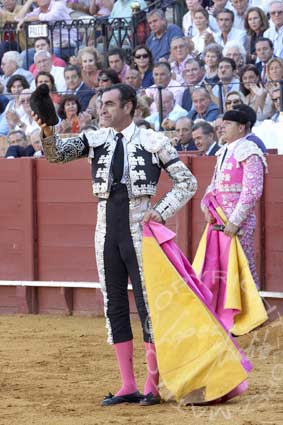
(223,268)
(198,359)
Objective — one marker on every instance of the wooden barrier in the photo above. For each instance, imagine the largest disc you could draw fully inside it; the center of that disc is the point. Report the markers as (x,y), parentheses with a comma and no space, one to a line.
(48,218)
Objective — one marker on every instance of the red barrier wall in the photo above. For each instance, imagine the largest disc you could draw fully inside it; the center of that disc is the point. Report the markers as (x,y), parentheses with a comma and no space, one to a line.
(47,221)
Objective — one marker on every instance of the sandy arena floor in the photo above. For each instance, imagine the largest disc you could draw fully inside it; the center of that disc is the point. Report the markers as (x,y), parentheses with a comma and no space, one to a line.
(55,371)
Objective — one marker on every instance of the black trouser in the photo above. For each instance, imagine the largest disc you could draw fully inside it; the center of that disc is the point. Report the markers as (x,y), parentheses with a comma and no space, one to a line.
(120,262)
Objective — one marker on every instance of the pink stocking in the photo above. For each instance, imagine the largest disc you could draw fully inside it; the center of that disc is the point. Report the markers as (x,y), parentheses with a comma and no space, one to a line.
(124,355)
(152,379)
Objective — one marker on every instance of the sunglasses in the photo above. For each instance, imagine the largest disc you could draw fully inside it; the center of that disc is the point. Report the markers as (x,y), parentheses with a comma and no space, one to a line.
(276,12)
(277,99)
(233,102)
(103,79)
(144,56)
(25,100)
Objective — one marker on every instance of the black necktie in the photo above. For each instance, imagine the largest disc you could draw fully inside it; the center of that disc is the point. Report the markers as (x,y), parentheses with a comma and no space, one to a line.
(118,159)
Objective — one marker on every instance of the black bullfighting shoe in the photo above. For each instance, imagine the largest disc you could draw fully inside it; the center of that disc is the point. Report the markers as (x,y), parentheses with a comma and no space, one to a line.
(111,400)
(150,400)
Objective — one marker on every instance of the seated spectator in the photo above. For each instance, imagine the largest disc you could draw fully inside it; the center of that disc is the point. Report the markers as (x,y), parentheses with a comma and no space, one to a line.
(240,8)
(35,142)
(18,145)
(275,97)
(64,40)
(26,121)
(252,120)
(143,124)
(193,75)
(264,52)
(70,113)
(212,55)
(75,85)
(180,51)
(235,51)
(161,35)
(256,23)
(12,64)
(43,62)
(226,72)
(107,77)
(188,24)
(203,107)
(123,8)
(204,138)
(232,99)
(17,137)
(14,110)
(225,20)
(116,61)
(274,73)
(255,94)
(8,12)
(47,78)
(44,44)
(184,140)
(163,78)
(90,63)
(171,112)
(204,34)
(143,108)
(100,7)
(275,31)
(219,5)
(143,62)
(219,130)
(133,79)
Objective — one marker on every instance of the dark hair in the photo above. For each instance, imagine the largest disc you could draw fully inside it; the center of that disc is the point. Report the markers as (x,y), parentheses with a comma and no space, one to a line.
(111,74)
(43,38)
(68,97)
(205,126)
(247,68)
(200,62)
(127,94)
(117,51)
(203,11)
(264,39)
(230,61)
(14,78)
(214,48)
(166,64)
(140,123)
(142,46)
(249,111)
(73,68)
(46,74)
(264,21)
(226,11)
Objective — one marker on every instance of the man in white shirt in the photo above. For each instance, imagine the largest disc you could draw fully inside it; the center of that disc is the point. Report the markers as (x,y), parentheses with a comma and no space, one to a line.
(43,62)
(240,8)
(171,112)
(162,77)
(189,27)
(180,52)
(203,136)
(275,32)
(225,20)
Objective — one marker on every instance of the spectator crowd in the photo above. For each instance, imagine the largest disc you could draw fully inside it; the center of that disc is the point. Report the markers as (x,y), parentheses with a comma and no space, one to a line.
(226,54)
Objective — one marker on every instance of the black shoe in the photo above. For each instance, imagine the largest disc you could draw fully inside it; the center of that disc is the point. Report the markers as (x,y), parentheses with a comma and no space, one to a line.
(150,400)
(111,399)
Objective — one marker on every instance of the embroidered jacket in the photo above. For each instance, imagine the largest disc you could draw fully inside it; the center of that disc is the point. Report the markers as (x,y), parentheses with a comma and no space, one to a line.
(238,180)
(147,153)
